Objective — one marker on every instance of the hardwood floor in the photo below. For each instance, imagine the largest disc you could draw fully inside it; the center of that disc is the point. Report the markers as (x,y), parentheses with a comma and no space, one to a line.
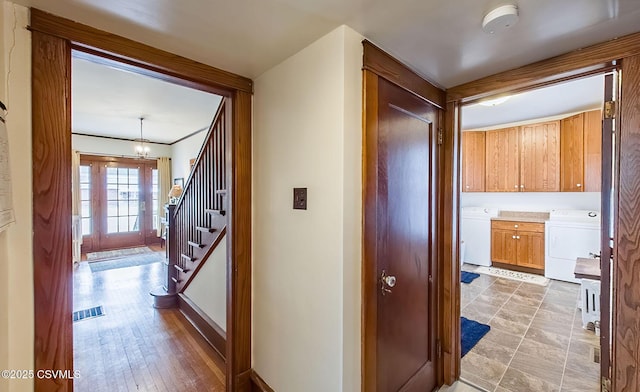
(135,347)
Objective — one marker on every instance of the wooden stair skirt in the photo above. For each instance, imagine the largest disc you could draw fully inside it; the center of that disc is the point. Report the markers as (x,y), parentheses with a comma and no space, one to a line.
(208,328)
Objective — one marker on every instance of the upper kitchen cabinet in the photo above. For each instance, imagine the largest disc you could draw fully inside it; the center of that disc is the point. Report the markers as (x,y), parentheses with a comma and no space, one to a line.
(572,154)
(502,160)
(540,157)
(580,152)
(592,151)
(473,163)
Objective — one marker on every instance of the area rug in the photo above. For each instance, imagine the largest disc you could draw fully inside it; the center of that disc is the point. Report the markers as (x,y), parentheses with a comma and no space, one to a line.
(468,277)
(514,275)
(470,333)
(117,253)
(129,261)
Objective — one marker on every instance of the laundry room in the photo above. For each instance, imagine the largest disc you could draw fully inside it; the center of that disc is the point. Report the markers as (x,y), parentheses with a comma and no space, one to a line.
(531,213)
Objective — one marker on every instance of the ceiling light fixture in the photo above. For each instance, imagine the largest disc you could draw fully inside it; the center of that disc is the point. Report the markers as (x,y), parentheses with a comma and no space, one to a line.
(494,101)
(500,19)
(141,149)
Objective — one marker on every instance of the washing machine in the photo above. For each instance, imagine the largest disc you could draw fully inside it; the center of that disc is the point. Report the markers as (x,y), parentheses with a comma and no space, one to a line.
(569,234)
(475,234)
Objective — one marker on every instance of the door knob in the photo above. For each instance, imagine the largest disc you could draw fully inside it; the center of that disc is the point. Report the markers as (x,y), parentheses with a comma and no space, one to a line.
(387,282)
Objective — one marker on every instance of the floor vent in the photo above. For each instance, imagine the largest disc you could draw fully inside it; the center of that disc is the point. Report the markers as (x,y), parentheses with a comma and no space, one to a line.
(88,313)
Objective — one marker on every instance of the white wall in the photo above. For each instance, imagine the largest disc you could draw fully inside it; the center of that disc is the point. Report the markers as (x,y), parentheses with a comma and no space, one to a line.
(182,152)
(532,201)
(208,290)
(103,146)
(306,294)
(16,247)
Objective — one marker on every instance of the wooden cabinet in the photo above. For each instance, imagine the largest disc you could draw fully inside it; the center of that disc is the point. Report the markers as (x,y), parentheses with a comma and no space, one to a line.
(581,151)
(473,162)
(518,243)
(540,157)
(592,151)
(502,160)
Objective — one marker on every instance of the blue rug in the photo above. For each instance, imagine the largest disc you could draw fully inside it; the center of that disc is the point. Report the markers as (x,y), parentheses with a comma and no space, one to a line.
(468,277)
(470,333)
(128,261)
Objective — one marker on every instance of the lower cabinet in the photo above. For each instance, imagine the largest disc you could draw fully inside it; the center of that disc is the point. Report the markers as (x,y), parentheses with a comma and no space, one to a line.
(518,243)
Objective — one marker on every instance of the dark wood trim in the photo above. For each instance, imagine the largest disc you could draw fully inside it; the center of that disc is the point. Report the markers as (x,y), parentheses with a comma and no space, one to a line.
(384,65)
(448,245)
(593,59)
(108,45)
(189,135)
(121,138)
(239,245)
(209,329)
(258,384)
(598,58)
(52,269)
(53,40)
(626,268)
(369,215)
(111,158)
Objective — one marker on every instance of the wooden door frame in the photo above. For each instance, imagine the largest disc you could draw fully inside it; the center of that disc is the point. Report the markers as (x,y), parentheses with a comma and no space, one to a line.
(623,52)
(53,39)
(378,64)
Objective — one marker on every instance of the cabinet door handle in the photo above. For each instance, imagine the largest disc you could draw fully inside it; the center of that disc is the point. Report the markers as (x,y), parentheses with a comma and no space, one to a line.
(579,185)
(516,226)
(513,236)
(516,186)
(467,186)
(517,237)
(522,186)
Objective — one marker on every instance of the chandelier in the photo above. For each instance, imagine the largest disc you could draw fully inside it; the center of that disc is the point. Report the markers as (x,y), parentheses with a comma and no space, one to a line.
(142,150)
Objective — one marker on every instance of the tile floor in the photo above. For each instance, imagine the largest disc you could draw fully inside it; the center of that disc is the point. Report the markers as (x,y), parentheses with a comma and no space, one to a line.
(536,342)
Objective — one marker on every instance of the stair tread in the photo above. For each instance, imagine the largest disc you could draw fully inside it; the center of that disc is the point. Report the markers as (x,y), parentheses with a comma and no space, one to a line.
(187,257)
(183,270)
(205,229)
(219,212)
(196,244)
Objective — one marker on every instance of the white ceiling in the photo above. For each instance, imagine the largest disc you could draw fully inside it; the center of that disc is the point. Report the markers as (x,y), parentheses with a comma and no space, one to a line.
(569,97)
(109,102)
(440,39)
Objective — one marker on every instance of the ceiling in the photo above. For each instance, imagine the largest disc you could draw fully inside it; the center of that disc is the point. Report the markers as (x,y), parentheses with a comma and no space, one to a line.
(570,97)
(109,102)
(442,40)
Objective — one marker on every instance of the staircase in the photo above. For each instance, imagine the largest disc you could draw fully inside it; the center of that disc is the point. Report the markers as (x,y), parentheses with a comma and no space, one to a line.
(199,220)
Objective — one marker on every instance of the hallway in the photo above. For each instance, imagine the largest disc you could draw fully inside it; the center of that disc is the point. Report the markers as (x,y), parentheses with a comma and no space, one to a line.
(134,346)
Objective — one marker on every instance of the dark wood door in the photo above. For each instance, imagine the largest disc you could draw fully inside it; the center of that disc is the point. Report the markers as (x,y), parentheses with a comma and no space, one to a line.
(406,318)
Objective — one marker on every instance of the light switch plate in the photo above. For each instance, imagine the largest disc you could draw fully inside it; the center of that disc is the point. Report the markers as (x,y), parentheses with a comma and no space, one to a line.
(299,198)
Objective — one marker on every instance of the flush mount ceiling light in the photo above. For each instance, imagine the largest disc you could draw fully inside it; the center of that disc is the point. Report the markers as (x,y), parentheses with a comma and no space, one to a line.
(500,19)
(494,101)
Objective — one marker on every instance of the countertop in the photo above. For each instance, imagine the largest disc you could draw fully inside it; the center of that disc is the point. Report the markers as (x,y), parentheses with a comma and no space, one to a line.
(522,216)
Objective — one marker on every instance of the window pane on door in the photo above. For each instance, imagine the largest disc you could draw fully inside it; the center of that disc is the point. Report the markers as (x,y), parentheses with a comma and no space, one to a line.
(123,200)
(85,199)
(154,197)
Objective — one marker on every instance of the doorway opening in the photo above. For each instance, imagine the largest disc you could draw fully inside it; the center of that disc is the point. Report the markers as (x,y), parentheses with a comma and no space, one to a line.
(536,173)
(133,137)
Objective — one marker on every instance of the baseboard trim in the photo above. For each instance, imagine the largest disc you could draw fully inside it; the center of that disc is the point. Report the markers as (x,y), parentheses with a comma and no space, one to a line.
(208,328)
(258,384)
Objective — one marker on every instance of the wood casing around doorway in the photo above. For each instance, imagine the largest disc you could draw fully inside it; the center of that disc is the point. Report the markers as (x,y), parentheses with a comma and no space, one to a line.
(622,53)
(53,39)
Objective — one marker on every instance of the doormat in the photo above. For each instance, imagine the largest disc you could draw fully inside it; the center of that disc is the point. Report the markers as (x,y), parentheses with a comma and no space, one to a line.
(117,253)
(513,275)
(88,313)
(468,277)
(127,261)
(470,333)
